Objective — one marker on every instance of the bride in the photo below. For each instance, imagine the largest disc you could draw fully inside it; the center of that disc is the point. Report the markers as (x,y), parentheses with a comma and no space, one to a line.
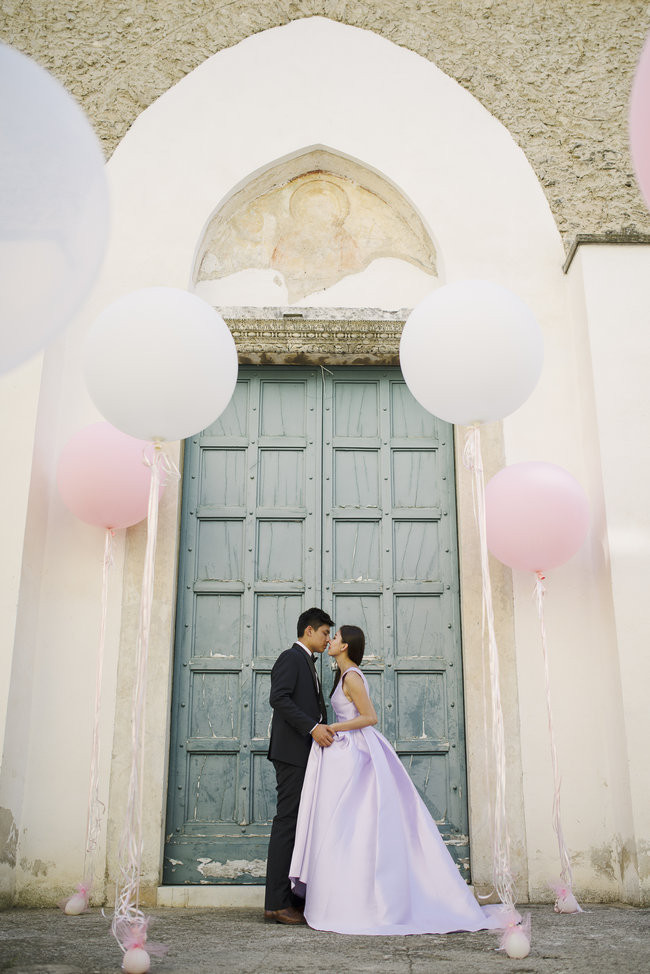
(368,857)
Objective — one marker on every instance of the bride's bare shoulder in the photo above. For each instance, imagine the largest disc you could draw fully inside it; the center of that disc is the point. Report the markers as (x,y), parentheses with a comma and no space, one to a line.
(352,677)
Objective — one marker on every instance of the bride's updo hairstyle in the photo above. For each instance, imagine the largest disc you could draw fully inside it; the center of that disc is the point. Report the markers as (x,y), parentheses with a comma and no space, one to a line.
(356,643)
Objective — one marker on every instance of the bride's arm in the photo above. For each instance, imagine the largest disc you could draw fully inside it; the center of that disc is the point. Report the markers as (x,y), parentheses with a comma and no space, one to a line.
(357,692)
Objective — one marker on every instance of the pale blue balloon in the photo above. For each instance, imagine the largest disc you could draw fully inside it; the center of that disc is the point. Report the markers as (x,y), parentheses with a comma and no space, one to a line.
(54,207)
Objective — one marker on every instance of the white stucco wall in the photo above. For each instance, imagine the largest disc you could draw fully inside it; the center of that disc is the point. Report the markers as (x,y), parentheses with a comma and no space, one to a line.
(46,758)
(18,408)
(611,290)
(315,82)
(18,401)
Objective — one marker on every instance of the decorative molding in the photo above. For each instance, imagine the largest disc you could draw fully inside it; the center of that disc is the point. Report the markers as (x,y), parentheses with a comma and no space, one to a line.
(604,239)
(316,336)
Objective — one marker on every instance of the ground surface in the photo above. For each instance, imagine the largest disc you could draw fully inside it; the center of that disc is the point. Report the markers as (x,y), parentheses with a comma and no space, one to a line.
(608,939)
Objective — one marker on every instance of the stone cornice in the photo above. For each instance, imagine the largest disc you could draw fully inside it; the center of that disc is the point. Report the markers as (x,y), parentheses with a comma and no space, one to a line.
(605,240)
(271,336)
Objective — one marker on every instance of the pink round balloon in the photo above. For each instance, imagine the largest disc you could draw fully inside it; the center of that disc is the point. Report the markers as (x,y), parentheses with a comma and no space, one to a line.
(640,122)
(537,515)
(102,476)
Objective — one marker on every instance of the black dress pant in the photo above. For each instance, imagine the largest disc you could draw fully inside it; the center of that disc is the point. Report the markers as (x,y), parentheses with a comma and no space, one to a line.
(283,833)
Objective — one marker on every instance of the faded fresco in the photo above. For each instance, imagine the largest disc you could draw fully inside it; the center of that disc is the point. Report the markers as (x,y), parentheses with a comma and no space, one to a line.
(314,230)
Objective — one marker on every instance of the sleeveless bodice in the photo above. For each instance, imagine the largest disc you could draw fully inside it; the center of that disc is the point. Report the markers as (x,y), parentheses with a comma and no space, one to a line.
(344,708)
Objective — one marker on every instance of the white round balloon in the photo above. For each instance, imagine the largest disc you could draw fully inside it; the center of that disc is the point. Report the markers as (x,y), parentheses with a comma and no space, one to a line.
(471,352)
(76,904)
(160,364)
(136,960)
(53,207)
(517,943)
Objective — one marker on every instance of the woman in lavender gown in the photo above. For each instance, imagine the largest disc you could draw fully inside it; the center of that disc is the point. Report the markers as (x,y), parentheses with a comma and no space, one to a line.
(368,857)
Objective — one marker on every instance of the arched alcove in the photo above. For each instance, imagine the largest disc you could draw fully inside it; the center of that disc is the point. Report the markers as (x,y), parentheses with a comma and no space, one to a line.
(420,138)
(405,151)
(304,224)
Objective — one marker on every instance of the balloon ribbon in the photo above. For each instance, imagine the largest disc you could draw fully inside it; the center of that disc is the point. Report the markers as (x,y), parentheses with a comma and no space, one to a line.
(502,875)
(128,918)
(95,806)
(564,889)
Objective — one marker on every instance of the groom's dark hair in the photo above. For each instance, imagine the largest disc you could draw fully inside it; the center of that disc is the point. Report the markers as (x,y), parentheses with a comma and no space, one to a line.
(315,618)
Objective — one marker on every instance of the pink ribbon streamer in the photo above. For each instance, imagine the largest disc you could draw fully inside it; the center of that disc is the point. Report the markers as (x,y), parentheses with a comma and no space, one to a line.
(96,808)
(135,934)
(128,918)
(565,887)
(502,875)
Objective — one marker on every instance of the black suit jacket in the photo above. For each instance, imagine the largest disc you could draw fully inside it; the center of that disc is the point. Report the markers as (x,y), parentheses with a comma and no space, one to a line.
(296,707)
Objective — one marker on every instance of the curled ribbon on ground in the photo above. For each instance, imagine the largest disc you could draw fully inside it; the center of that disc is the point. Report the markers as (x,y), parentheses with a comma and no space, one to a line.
(515,937)
(76,904)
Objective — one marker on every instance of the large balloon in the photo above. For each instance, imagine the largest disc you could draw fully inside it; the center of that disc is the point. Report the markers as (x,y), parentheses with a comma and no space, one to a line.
(537,515)
(639,122)
(471,352)
(103,478)
(53,207)
(161,364)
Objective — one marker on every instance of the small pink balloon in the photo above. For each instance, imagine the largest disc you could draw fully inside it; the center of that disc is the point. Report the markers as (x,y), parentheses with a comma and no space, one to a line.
(537,516)
(102,476)
(639,122)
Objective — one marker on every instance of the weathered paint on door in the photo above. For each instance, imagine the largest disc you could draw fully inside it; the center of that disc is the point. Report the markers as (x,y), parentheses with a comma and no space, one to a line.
(315,487)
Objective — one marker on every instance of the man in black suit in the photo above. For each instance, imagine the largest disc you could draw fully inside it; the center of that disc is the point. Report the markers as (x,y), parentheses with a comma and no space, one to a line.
(299,716)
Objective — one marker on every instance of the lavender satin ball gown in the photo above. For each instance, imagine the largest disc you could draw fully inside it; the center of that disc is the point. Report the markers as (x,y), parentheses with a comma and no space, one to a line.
(368,857)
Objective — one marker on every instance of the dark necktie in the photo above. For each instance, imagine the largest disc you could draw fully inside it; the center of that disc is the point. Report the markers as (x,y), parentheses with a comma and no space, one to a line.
(321,701)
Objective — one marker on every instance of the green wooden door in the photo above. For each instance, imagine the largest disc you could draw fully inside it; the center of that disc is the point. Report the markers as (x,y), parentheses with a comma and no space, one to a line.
(329,488)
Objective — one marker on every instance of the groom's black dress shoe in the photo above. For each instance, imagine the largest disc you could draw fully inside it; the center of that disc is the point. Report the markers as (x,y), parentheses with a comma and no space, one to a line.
(288,915)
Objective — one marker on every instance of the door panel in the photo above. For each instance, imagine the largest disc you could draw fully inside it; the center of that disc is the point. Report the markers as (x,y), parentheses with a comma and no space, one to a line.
(250,530)
(390,551)
(329,488)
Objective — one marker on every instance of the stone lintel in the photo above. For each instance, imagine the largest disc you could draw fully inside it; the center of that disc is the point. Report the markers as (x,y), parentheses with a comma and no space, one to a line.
(270,336)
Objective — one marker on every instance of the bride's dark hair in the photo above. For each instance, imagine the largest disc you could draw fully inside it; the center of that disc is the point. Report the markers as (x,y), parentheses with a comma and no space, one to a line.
(356,643)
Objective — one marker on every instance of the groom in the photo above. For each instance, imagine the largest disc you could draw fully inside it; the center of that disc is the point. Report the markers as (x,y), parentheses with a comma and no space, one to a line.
(299,716)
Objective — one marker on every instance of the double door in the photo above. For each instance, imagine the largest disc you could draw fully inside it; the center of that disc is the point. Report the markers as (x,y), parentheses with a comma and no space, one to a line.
(315,487)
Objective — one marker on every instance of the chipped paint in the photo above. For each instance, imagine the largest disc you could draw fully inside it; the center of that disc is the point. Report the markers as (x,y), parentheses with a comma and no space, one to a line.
(616,860)
(601,860)
(643,853)
(627,857)
(8,837)
(36,867)
(232,868)
(457,840)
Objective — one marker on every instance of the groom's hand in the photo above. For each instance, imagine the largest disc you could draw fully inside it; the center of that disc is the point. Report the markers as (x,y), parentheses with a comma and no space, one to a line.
(322,735)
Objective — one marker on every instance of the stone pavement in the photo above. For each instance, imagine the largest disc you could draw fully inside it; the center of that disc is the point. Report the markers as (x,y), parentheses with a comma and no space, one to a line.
(605,939)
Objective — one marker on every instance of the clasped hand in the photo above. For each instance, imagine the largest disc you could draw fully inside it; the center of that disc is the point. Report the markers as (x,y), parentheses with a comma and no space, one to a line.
(323,735)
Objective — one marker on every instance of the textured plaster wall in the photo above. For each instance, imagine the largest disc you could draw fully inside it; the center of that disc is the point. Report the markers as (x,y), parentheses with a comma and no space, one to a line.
(556,74)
